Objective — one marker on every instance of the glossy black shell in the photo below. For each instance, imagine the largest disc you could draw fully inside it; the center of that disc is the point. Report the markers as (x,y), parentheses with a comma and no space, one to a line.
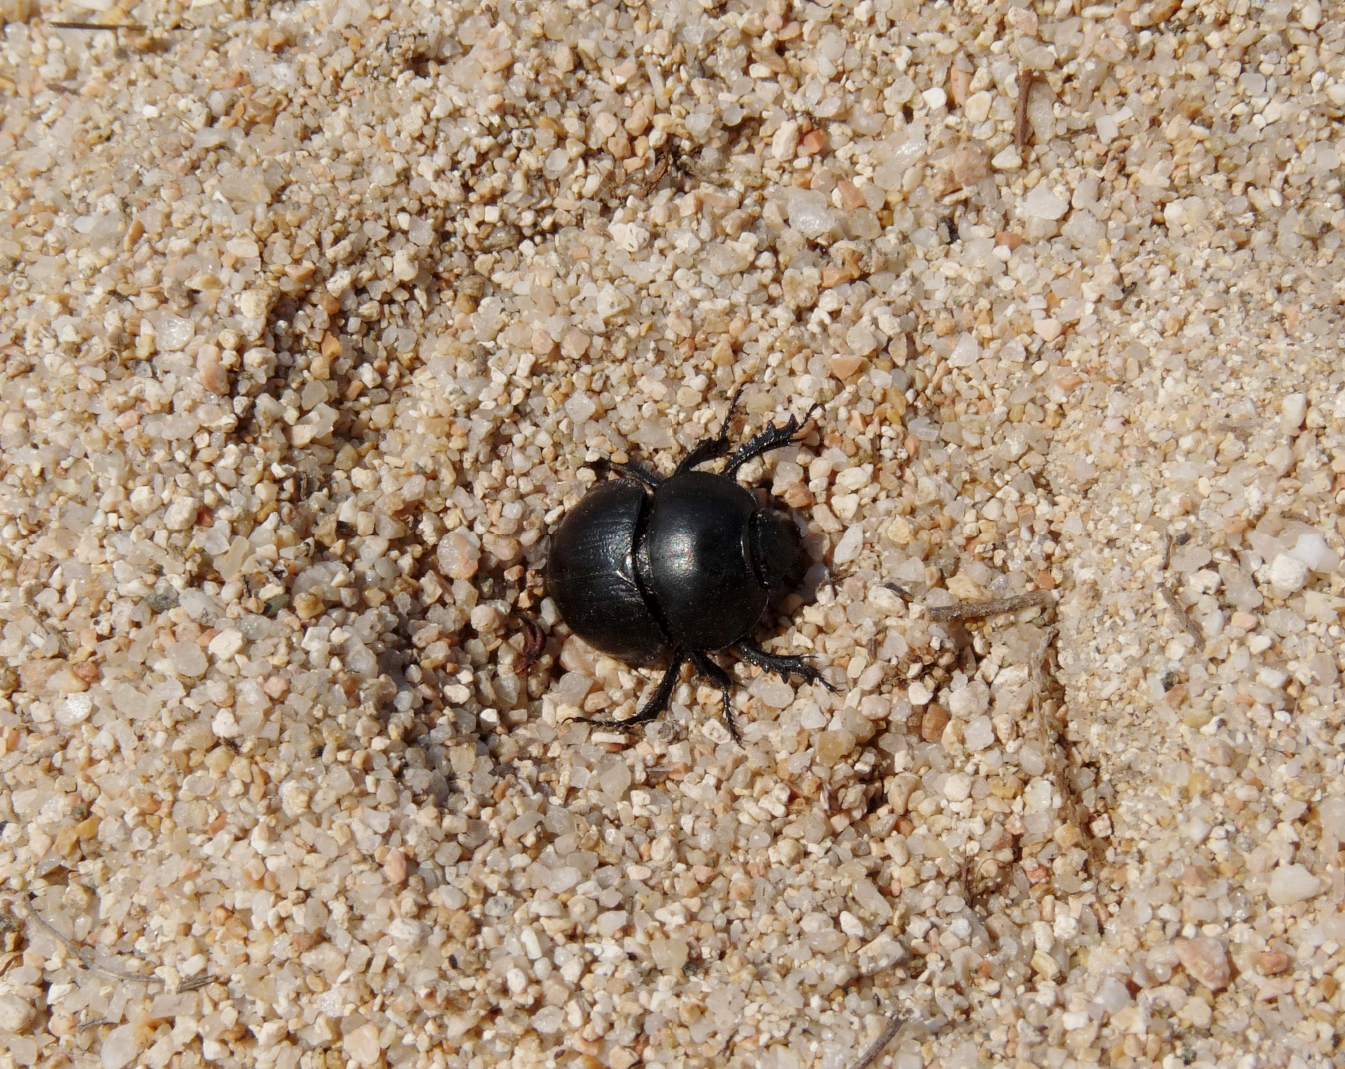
(690,565)
(700,571)
(590,573)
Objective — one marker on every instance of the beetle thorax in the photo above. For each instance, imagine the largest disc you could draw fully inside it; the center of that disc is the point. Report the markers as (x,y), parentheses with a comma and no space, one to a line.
(696,561)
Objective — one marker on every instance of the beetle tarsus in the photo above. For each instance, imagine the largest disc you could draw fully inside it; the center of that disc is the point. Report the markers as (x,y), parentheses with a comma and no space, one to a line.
(658,701)
(782,666)
(724,682)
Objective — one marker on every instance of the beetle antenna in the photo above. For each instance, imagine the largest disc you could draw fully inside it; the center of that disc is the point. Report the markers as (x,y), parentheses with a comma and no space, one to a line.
(713,448)
(733,408)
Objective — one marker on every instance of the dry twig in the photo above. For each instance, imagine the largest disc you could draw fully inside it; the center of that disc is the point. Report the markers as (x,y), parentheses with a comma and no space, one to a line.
(86,957)
(134,27)
(1183,617)
(978,610)
(84,954)
(895,1023)
(197,982)
(1169,593)
(534,642)
(1022,127)
(661,166)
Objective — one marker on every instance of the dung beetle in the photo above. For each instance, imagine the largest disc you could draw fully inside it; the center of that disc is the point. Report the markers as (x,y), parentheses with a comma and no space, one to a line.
(668,570)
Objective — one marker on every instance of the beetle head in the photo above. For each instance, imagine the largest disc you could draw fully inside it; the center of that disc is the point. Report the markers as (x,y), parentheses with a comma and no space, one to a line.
(777,550)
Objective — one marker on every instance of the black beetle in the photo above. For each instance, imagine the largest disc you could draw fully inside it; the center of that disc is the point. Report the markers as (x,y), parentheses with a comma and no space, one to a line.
(649,569)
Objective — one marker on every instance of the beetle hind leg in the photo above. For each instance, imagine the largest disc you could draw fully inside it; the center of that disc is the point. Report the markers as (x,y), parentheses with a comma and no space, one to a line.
(782,666)
(724,682)
(658,701)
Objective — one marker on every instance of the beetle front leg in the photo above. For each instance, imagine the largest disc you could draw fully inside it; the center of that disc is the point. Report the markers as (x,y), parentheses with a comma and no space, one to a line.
(782,666)
(658,701)
(632,470)
(724,681)
(771,438)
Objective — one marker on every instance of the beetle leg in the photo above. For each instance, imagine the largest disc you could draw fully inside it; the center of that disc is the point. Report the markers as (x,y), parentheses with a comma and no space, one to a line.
(772,437)
(712,448)
(724,681)
(657,702)
(637,472)
(783,667)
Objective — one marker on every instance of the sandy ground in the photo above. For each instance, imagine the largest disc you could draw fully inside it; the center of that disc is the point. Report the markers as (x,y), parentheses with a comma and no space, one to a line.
(312,316)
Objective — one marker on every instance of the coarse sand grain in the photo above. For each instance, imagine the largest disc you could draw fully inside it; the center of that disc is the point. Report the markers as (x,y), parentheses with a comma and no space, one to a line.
(313,316)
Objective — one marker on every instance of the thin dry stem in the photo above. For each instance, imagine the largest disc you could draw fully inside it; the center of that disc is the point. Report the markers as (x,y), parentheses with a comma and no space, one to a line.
(105,26)
(977,610)
(1183,617)
(895,1023)
(84,954)
(1022,126)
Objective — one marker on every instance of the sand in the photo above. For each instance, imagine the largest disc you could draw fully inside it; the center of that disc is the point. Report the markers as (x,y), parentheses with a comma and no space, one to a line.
(312,319)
